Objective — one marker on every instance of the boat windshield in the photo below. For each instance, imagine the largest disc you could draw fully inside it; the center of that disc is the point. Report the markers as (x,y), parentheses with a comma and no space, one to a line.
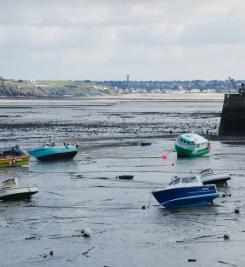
(190,179)
(12,151)
(185,142)
(8,183)
(185,180)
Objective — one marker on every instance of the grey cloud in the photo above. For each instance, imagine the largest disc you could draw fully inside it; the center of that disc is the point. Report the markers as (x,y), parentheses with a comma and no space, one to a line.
(225,31)
(98,38)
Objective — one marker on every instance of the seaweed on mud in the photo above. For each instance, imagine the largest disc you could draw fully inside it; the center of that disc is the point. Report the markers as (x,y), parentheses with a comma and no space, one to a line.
(86,253)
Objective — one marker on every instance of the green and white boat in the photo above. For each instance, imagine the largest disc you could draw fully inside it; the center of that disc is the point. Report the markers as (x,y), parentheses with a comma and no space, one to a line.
(191,145)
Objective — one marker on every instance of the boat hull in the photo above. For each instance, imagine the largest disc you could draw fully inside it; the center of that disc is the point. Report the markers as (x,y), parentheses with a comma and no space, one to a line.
(13,162)
(125,177)
(145,143)
(54,153)
(185,152)
(217,181)
(186,196)
(58,156)
(17,193)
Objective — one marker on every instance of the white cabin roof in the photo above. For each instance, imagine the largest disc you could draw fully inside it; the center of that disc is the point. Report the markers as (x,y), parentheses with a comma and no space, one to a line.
(197,139)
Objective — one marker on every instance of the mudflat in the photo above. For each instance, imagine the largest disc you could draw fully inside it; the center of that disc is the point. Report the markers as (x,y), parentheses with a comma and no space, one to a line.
(84,193)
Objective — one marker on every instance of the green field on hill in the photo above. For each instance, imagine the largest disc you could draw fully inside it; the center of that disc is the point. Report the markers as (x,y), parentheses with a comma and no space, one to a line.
(55,88)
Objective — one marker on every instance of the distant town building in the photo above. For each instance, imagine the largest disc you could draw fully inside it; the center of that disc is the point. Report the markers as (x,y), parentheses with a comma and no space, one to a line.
(127,78)
(195,90)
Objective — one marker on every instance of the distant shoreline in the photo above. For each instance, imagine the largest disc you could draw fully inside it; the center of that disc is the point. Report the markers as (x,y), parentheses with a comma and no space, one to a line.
(178,97)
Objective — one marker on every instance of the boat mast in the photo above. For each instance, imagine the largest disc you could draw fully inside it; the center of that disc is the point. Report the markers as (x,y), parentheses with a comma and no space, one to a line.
(233,83)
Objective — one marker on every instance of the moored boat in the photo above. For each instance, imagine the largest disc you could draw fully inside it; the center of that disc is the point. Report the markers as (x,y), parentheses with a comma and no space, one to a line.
(12,156)
(145,143)
(208,176)
(52,152)
(10,191)
(186,192)
(125,177)
(191,145)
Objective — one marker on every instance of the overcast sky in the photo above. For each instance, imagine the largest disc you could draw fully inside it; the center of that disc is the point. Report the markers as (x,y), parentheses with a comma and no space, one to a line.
(107,39)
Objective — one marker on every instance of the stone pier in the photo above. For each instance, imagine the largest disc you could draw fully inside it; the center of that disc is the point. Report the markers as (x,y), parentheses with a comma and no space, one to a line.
(233,115)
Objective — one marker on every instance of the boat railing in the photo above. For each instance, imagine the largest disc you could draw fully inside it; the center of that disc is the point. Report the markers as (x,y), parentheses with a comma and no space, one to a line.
(175,180)
(206,171)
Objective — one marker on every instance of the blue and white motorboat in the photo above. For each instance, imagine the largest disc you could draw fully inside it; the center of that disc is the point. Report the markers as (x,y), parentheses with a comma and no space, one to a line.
(52,152)
(186,192)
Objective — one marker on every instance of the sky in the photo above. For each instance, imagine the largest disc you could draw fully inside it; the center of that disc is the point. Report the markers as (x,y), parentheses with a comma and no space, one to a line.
(108,39)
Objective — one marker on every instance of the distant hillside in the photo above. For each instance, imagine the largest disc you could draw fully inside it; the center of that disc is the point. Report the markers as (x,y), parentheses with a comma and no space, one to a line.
(24,88)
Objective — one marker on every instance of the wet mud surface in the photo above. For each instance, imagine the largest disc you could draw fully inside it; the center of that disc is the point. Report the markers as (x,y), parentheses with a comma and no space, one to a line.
(106,118)
(84,193)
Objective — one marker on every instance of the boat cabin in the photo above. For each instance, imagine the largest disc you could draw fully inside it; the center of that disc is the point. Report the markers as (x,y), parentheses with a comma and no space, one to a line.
(12,151)
(192,140)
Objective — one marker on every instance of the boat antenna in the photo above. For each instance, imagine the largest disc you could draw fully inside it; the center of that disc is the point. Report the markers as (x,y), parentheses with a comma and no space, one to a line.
(233,83)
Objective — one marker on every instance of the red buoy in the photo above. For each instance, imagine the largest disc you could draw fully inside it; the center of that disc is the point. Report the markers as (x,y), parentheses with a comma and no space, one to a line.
(164,155)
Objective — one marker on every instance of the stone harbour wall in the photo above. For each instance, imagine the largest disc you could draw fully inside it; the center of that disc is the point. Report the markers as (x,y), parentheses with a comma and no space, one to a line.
(233,115)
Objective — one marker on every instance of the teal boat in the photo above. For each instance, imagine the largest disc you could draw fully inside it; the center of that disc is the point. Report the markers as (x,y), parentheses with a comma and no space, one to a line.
(191,145)
(52,152)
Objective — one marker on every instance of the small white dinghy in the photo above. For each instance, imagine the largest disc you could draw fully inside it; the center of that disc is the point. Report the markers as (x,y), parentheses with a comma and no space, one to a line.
(208,176)
(10,191)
